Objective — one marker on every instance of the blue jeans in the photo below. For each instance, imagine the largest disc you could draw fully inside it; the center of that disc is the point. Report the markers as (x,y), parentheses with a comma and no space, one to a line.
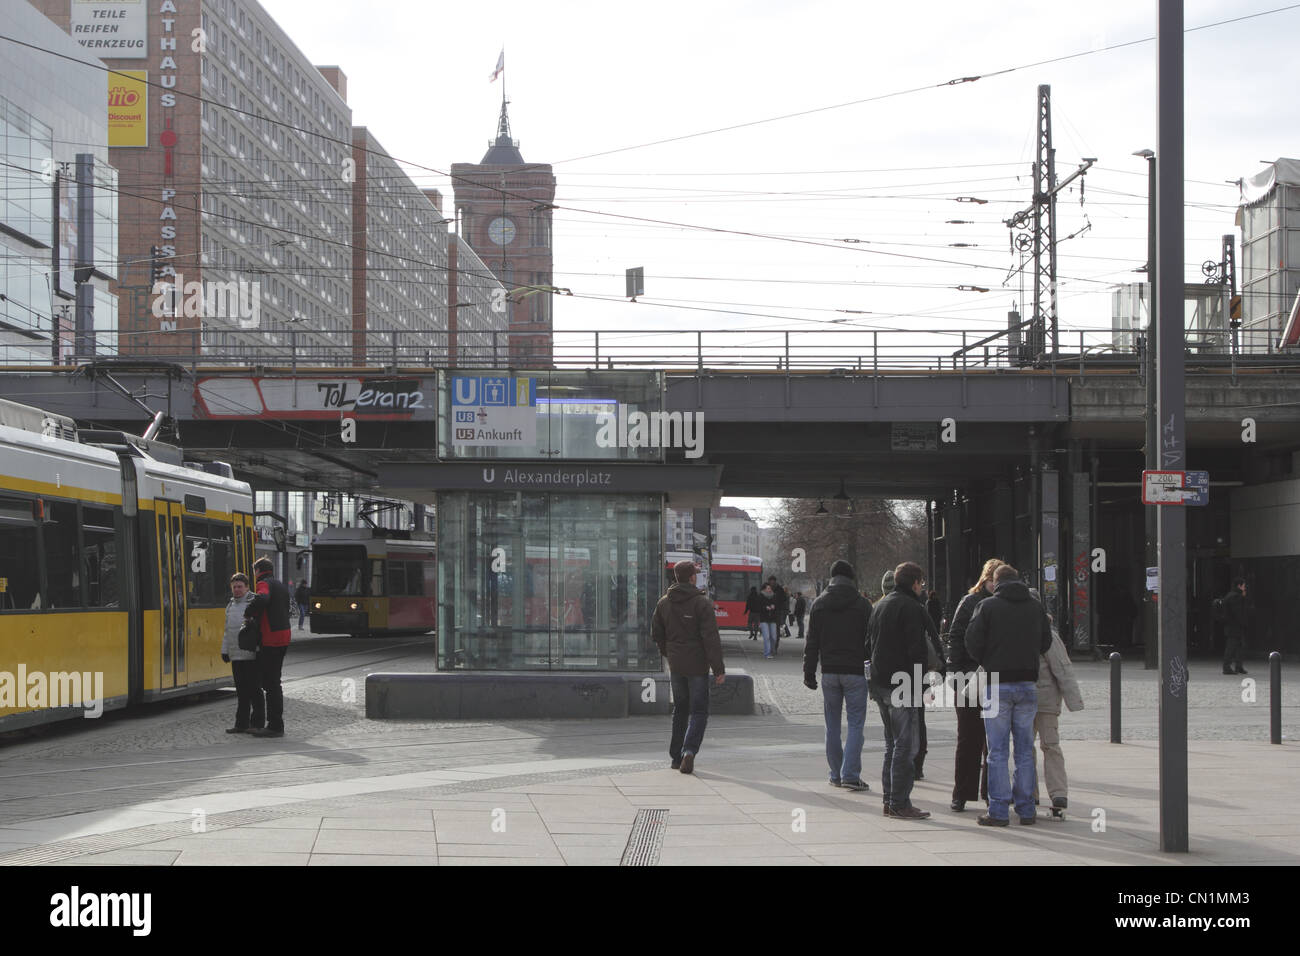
(690,715)
(849,690)
(902,740)
(769,637)
(1017,704)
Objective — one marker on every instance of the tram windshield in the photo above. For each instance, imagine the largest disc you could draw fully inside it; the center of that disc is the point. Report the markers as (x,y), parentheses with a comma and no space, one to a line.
(340,570)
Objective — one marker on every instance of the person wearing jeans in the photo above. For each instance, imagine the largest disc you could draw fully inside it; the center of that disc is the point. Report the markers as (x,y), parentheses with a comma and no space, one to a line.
(685,628)
(1009,720)
(837,637)
(767,618)
(1007,634)
(898,639)
(902,739)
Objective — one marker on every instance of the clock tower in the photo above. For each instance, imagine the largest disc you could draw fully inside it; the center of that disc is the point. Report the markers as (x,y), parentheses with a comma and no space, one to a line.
(503,210)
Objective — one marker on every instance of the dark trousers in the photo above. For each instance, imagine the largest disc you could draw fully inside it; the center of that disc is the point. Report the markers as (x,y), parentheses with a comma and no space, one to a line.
(900,750)
(249,696)
(1232,648)
(919,763)
(969,783)
(690,714)
(799,621)
(269,662)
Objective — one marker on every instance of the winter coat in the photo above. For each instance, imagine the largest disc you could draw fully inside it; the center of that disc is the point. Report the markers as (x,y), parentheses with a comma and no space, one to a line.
(302,594)
(234,620)
(801,605)
(1234,614)
(271,600)
(837,630)
(754,602)
(768,608)
(782,601)
(685,628)
(1056,679)
(958,657)
(898,638)
(1008,632)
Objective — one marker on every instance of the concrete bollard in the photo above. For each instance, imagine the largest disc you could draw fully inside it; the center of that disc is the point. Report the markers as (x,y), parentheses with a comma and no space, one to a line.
(1114,698)
(1275,697)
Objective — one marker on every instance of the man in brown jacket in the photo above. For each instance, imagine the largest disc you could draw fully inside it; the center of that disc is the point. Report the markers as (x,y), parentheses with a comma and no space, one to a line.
(686,630)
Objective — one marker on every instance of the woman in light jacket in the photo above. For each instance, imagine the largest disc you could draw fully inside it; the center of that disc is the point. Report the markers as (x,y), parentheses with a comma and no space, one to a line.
(248,685)
(1056,682)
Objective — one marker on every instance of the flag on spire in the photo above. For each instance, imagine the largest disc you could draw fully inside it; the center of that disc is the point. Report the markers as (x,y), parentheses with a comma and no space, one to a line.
(501,65)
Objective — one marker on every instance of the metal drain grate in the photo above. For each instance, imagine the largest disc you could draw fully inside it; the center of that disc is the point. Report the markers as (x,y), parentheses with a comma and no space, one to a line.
(646,840)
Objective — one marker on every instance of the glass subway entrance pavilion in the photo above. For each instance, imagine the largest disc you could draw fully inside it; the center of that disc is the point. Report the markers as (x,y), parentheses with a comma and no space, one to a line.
(550,492)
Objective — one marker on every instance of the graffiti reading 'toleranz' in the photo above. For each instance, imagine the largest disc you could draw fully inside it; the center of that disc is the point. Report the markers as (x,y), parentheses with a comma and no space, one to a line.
(395,395)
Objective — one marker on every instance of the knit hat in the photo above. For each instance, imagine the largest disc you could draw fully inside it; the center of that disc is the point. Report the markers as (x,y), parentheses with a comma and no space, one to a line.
(887,582)
(842,569)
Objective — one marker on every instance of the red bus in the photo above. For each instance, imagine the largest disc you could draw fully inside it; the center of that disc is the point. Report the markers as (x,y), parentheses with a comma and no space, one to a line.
(728,583)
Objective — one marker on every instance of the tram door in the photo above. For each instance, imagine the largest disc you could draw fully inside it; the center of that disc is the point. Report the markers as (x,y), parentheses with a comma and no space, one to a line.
(171,594)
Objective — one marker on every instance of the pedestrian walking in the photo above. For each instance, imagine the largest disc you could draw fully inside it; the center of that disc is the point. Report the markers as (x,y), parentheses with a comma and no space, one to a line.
(685,628)
(837,638)
(1007,634)
(753,609)
(1056,683)
(970,780)
(271,602)
(897,646)
(301,597)
(1234,626)
(800,608)
(767,619)
(782,609)
(250,701)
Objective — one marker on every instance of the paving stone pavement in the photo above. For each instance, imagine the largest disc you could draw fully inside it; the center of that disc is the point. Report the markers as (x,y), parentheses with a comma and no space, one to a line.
(171,788)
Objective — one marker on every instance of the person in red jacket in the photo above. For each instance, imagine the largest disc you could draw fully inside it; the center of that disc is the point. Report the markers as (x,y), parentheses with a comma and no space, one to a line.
(271,601)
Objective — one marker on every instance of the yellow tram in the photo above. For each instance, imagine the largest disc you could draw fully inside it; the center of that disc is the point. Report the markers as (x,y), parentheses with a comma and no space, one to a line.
(115,556)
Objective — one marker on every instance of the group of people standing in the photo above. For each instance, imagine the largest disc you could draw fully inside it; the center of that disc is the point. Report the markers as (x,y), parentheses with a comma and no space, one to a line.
(1013,669)
(259,707)
(771,612)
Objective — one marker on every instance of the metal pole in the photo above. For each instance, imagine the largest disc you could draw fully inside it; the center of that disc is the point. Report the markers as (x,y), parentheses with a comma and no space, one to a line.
(1275,697)
(1151,599)
(1171,520)
(1114,698)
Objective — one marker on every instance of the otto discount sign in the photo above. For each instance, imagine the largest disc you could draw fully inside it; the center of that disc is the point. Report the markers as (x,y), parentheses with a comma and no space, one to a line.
(491,411)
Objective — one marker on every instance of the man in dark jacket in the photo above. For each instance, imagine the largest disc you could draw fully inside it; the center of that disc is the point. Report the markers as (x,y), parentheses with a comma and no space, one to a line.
(837,634)
(1234,627)
(782,609)
(800,608)
(898,646)
(686,630)
(271,601)
(1007,634)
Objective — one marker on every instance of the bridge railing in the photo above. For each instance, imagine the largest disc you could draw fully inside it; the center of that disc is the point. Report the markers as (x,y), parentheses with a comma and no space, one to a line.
(857,350)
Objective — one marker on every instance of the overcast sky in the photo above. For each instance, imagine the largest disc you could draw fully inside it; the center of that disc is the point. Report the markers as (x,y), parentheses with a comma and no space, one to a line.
(586,79)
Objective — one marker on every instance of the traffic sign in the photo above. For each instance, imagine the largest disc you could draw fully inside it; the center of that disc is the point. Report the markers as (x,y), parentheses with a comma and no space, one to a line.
(1176,488)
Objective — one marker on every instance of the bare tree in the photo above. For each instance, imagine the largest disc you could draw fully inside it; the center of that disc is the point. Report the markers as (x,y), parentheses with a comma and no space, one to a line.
(873,534)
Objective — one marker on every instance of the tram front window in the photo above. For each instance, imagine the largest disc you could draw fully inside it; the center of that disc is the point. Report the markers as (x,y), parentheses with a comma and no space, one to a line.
(341,571)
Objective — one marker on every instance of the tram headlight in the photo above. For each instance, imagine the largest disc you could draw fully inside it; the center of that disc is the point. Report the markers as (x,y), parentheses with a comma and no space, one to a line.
(355,605)
(318,605)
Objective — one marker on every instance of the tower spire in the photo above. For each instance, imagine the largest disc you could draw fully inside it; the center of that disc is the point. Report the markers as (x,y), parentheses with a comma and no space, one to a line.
(503,124)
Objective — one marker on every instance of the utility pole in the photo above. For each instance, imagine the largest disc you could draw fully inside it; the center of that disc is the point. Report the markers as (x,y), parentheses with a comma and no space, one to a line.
(1151,599)
(1171,520)
(1042,211)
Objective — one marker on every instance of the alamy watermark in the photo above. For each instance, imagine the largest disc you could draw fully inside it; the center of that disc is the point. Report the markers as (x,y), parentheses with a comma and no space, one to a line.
(41,689)
(953,689)
(651,430)
(239,301)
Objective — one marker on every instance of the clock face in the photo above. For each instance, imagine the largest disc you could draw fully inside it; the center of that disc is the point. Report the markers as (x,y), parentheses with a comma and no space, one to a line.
(501,231)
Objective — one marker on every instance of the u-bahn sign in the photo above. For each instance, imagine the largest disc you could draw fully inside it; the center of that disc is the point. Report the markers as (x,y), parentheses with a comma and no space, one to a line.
(1176,488)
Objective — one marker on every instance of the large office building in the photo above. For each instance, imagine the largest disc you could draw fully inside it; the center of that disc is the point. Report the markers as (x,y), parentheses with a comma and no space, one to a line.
(58,199)
(733,530)
(1270,256)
